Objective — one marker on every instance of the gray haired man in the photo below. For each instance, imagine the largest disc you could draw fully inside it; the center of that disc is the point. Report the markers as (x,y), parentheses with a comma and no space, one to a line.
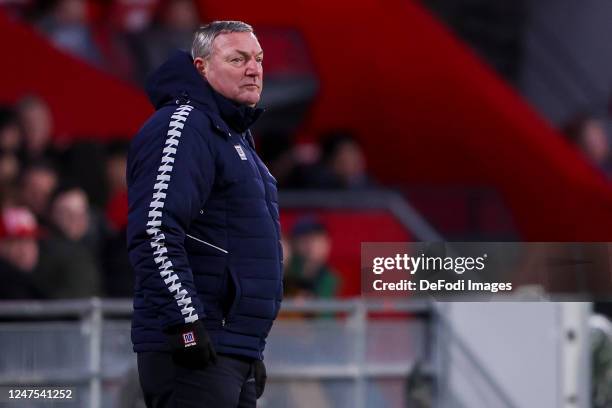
(203,228)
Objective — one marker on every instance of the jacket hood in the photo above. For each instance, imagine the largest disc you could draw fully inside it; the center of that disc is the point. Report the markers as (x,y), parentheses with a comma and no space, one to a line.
(177,79)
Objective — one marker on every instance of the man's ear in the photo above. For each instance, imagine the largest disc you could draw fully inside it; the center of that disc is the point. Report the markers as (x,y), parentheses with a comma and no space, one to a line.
(201,65)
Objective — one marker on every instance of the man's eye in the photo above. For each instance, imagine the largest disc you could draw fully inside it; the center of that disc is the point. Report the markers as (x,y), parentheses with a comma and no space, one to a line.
(236,60)
(259,60)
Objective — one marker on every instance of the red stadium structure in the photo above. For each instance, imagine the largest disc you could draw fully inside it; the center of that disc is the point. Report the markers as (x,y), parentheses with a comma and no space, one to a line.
(84,101)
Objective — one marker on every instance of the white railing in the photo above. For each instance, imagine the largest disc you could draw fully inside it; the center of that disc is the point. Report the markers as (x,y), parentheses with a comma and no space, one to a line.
(352,315)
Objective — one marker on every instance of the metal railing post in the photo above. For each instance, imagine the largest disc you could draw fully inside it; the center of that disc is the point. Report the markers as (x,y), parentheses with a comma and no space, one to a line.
(574,355)
(360,316)
(95,353)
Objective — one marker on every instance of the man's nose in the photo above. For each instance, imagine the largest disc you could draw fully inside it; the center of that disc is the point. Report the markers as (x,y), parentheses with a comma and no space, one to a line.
(253,68)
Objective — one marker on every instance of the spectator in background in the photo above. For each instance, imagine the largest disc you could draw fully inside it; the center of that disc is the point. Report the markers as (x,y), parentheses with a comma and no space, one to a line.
(589,134)
(173,27)
(83,163)
(9,171)
(132,16)
(276,150)
(342,165)
(19,253)
(37,183)
(345,161)
(117,204)
(10,143)
(112,34)
(37,128)
(67,28)
(308,273)
(293,165)
(287,252)
(119,36)
(69,267)
(10,133)
(118,272)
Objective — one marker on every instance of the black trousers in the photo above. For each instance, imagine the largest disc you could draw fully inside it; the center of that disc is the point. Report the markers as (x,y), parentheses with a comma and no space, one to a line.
(228,384)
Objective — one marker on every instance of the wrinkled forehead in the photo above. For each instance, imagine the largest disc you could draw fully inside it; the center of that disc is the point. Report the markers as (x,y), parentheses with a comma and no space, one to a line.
(236,42)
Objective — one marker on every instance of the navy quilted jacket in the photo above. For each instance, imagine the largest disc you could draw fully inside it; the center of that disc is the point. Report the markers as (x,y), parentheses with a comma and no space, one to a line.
(203,226)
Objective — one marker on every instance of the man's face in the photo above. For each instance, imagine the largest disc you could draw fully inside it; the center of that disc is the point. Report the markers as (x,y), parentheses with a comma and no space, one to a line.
(234,67)
(70,213)
(20,252)
(37,188)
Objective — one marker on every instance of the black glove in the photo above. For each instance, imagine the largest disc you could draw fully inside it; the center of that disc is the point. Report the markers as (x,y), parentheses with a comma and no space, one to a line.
(190,345)
(259,370)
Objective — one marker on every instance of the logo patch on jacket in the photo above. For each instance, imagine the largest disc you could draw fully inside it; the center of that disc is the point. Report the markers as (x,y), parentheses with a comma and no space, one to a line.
(240,152)
(189,339)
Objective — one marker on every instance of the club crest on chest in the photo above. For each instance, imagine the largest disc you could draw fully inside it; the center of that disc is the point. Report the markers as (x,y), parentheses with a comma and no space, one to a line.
(240,152)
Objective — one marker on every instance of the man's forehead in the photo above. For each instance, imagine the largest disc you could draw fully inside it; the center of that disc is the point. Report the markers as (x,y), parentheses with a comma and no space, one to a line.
(230,42)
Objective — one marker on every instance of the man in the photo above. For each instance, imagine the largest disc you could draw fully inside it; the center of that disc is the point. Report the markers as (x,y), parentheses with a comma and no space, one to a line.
(19,253)
(308,271)
(69,258)
(203,228)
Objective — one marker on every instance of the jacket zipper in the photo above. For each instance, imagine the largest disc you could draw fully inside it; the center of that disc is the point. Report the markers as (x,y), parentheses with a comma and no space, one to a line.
(261,176)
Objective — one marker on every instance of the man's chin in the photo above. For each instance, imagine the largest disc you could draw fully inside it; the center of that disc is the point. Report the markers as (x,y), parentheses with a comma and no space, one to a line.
(250,102)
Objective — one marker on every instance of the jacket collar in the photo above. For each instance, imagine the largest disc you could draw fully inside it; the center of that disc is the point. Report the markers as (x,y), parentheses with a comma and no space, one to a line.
(238,117)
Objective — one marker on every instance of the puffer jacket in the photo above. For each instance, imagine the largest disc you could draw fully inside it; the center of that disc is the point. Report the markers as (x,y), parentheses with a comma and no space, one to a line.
(203,225)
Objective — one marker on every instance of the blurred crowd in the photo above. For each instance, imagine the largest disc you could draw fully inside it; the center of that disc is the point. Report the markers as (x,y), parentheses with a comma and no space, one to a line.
(127,38)
(64,210)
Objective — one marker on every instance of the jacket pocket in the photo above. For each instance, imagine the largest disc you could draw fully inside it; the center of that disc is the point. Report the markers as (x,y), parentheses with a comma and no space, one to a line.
(208,245)
(233,294)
